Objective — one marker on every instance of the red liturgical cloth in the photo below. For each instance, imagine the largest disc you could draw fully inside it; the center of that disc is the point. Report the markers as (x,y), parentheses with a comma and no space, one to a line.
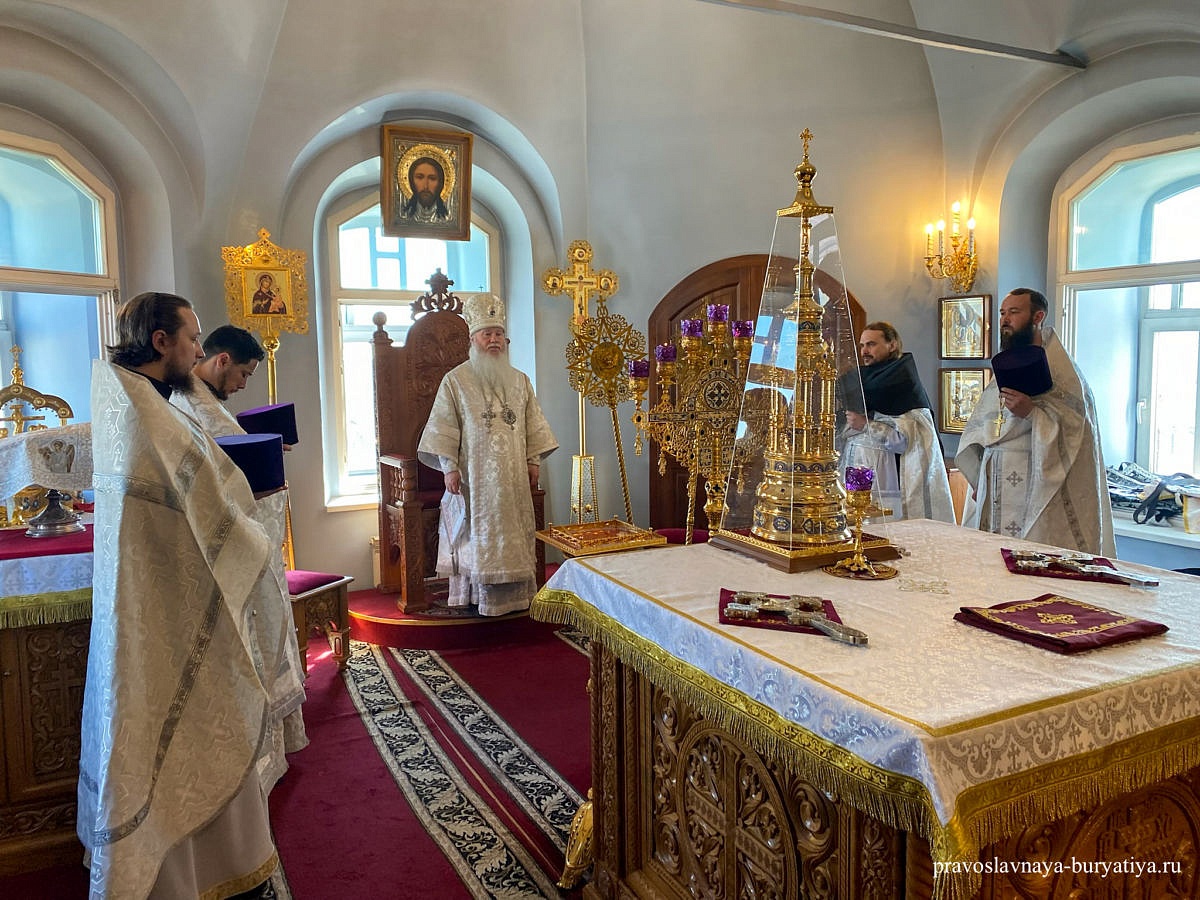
(14,544)
(1058,623)
(773,620)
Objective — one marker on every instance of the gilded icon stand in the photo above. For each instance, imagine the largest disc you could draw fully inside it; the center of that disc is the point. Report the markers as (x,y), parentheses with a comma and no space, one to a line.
(266,290)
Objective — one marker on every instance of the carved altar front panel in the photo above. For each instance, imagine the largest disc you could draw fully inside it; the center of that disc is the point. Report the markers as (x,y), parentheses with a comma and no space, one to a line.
(683,808)
(43,669)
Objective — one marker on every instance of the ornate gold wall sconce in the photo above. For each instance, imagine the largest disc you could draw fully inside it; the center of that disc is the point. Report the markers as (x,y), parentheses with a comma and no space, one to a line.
(959,263)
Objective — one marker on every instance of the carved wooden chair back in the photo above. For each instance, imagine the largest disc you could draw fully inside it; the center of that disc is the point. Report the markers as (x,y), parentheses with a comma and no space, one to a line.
(406,382)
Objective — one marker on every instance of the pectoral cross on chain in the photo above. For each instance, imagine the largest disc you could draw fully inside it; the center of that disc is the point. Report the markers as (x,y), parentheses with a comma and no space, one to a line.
(581,282)
(999,420)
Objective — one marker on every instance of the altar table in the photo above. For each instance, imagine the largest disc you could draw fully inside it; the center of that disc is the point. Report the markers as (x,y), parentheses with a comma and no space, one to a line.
(893,770)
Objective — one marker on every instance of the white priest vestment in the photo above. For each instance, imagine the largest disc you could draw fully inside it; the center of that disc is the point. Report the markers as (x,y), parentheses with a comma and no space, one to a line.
(490,437)
(276,628)
(176,704)
(1040,478)
(919,488)
(205,407)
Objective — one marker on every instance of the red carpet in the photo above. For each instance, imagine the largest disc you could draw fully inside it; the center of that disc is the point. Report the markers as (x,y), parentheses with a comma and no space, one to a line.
(343,827)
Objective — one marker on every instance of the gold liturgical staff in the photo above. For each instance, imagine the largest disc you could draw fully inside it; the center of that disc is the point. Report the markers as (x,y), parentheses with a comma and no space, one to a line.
(803,369)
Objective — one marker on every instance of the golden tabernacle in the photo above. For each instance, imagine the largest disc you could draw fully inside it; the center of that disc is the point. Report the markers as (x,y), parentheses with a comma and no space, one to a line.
(784,503)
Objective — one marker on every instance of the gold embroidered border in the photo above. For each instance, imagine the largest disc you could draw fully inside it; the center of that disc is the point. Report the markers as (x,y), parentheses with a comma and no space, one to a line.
(896,800)
(984,814)
(24,610)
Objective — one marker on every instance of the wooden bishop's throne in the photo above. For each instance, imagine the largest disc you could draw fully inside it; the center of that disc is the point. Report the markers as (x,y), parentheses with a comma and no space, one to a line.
(406,383)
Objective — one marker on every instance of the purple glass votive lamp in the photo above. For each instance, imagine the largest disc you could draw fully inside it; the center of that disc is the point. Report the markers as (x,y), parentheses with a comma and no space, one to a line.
(859,478)
(639,368)
(692,328)
(718,312)
(743,328)
(665,353)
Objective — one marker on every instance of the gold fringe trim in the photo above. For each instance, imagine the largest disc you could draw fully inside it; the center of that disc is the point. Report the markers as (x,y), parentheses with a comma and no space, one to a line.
(896,800)
(24,610)
(984,814)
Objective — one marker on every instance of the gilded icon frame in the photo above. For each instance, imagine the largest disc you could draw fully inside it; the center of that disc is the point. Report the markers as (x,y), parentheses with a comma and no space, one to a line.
(404,147)
(959,391)
(965,326)
(246,266)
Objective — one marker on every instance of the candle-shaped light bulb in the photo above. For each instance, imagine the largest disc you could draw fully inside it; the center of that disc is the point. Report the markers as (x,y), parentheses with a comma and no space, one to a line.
(954,210)
(929,239)
(971,235)
(941,230)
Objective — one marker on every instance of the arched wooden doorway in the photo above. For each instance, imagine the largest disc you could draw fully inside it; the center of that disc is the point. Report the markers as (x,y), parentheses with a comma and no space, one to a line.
(736,282)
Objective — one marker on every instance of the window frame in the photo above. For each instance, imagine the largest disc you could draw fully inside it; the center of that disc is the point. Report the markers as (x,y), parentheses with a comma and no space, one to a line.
(103,286)
(1073,282)
(344,490)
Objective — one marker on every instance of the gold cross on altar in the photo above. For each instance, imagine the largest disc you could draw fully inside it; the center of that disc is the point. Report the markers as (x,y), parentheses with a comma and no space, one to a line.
(581,282)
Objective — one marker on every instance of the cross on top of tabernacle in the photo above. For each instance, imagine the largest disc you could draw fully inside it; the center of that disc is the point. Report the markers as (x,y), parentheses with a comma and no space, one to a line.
(581,282)
(806,136)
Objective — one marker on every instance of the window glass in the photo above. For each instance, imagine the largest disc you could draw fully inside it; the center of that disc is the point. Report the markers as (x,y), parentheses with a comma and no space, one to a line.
(1108,218)
(1172,424)
(1136,320)
(48,219)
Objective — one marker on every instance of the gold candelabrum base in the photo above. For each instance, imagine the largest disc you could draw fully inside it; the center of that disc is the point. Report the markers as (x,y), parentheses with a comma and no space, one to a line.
(857,565)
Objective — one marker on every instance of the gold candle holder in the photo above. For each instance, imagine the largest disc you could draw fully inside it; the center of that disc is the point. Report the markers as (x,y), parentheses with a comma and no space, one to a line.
(859,507)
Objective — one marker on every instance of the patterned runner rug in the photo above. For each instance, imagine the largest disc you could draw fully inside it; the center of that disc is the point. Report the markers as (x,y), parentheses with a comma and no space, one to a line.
(494,807)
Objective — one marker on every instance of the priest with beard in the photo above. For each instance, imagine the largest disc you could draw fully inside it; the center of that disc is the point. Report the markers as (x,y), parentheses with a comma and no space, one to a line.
(892,430)
(486,433)
(176,705)
(1034,462)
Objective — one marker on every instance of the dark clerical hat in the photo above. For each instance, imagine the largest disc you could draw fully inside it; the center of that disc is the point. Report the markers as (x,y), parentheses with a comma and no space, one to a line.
(259,456)
(1024,369)
(278,418)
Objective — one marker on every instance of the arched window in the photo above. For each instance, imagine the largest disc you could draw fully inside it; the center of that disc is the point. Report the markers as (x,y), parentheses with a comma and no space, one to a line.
(57,268)
(1131,290)
(371,272)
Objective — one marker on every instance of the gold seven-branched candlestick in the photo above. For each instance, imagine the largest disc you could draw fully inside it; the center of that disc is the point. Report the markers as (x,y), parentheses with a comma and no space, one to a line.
(700,381)
(859,480)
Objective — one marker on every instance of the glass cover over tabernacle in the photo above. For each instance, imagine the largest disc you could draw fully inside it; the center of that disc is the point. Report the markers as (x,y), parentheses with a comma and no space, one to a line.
(784,499)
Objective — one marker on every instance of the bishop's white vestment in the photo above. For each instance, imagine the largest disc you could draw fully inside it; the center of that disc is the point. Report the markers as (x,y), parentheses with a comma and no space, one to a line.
(1042,477)
(490,435)
(177,702)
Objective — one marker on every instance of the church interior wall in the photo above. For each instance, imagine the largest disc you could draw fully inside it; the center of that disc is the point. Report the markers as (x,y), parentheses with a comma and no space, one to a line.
(663,132)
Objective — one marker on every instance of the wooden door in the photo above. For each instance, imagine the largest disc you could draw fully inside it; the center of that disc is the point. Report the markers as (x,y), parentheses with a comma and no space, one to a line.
(736,282)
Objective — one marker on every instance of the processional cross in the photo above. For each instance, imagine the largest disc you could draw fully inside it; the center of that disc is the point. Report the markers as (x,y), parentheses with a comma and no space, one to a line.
(596,365)
(581,282)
